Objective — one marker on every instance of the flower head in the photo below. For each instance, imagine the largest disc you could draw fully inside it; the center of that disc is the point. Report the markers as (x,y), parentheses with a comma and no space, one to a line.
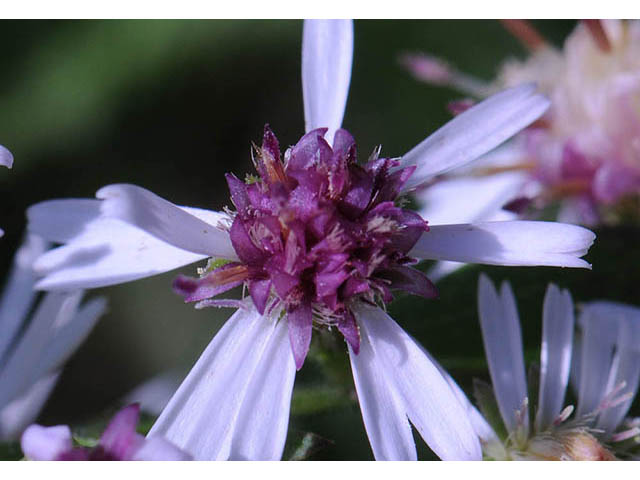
(585,152)
(315,234)
(119,441)
(604,370)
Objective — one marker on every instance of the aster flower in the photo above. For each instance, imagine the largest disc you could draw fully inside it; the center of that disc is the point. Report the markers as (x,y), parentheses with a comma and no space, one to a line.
(119,441)
(605,371)
(34,347)
(319,241)
(584,154)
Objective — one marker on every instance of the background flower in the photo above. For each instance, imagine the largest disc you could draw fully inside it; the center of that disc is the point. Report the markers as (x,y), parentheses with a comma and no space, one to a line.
(604,363)
(583,158)
(37,335)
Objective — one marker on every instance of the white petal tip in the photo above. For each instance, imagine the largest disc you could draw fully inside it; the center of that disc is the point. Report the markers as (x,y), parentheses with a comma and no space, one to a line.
(6,157)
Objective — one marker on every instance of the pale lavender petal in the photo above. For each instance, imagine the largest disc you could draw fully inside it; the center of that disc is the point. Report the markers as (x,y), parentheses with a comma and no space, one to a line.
(201,417)
(21,369)
(300,321)
(62,220)
(383,412)
(18,294)
(467,200)
(627,355)
(474,133)
(431,405)
(507,243)
(598,340)
(327,54)
(555,356)
(46,443)
(348,327)
(470,199)
(158,449)
(164,220)
(261,430)
(480,425)
(6,157)
(68,336)
(108,252)
(154,394)
(503,347)
(23,411)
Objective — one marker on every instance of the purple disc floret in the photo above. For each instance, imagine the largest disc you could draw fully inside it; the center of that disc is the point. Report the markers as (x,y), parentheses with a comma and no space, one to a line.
(316,231)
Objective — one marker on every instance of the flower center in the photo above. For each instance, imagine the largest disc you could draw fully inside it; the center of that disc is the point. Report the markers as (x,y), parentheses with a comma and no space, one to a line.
(317,231)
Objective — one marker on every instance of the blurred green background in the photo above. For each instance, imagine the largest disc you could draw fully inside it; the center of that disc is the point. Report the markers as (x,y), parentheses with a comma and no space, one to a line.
(172,106)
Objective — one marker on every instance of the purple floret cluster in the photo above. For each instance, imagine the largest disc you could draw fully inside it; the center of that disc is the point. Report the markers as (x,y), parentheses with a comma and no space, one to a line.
(315,232)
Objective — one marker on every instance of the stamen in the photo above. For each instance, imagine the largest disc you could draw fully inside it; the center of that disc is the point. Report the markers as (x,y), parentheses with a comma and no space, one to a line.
(273,166)
(564,414)
(598,34)
(222,276)
(569,188)
(626,435)
(525,33)
(612,399)
(516,167)
(435,71)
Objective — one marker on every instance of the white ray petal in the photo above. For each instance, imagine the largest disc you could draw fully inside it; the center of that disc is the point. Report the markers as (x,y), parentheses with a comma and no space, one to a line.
(469,199)
(202,415)
(431,405)
(107,253)
(68,336)
(474,132)
(23,411)
(261,430)
(62,220)
(503,347)
(383,411)
(555,356)
(46,443)
(627,356)
(164,220)
(327,55)
(6,157)
(480,425)
(21,369)
(507,243)
(598,340)
(18,294)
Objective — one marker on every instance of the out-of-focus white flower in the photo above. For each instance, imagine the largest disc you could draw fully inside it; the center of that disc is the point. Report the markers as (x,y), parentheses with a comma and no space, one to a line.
(585,153)
(604,361)
(318,241)
(35,345)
